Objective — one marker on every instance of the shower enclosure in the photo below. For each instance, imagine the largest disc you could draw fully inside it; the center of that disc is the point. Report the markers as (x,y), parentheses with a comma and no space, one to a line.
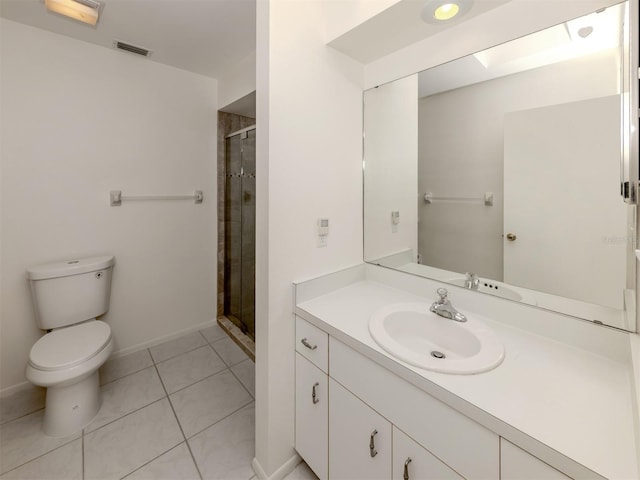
(240,229)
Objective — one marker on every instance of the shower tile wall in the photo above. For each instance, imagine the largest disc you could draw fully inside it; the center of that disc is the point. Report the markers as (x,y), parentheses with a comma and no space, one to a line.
(227,123)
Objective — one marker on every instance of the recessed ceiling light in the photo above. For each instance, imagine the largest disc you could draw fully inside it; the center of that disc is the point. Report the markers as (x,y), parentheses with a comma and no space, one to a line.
(86,11)
(443,11)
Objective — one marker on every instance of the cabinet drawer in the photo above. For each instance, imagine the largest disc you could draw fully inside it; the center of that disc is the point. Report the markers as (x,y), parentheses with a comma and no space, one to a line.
(359,438)
(466,446)
(412,462)
(517,464)
(313,344)
(312,416)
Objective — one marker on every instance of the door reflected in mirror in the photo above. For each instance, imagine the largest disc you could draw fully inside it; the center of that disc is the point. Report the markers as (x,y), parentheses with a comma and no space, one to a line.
(505,167)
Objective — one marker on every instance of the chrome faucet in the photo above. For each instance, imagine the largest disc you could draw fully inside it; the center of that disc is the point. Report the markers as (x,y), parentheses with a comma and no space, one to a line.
(444,308)
(471,281)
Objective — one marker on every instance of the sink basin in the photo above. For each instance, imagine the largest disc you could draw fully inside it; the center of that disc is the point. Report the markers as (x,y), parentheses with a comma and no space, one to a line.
(494,288)
(412,333)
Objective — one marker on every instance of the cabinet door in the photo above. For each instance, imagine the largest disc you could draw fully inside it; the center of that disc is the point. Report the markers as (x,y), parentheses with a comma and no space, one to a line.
(412,462)
(312,416)
(359,438)
(516,464)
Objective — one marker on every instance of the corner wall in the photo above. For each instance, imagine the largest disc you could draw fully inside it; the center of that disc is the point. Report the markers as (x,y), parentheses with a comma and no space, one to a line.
(80,120)
(309,166)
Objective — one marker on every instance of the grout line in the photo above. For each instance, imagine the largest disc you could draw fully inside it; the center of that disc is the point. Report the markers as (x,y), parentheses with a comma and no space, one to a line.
(2,474)
(175,415)
(125,376)
(126,415)
(24,415)
(241,383)
(223,418)
(178,354)
(152,460)
(198,381)
(83,467)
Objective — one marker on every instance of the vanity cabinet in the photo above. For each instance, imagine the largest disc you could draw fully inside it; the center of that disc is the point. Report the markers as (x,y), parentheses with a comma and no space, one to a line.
(412,462)
(465,446)
(516,464)
(358,420)
(359,438)
(312,397)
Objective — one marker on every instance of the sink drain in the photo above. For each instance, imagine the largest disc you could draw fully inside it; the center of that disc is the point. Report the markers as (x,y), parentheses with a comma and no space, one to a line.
(437,354)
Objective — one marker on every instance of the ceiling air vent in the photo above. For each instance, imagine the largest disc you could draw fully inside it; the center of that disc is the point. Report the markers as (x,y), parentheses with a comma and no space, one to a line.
(131,48)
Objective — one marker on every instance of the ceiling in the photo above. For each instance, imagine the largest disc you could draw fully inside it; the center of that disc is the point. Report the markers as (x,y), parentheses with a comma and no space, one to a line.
(201,36)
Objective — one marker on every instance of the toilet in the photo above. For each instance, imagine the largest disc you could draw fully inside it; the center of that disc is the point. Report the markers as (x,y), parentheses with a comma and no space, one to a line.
(68,296)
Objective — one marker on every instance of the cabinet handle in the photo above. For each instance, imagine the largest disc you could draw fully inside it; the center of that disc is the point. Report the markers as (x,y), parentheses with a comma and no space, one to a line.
(406,468)
(372,444)
(306,343)
(314,393)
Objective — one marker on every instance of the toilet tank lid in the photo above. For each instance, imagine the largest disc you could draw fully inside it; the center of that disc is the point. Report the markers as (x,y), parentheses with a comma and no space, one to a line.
(73,266)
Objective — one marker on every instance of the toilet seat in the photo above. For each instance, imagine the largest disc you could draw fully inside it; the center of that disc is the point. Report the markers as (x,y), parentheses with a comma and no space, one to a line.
(67,347)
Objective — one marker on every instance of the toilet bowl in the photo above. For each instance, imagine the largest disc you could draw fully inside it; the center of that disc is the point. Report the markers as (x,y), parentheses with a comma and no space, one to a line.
(67,297)
(66,361)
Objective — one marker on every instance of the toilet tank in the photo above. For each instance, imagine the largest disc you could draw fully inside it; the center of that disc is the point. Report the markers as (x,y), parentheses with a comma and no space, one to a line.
(72,291)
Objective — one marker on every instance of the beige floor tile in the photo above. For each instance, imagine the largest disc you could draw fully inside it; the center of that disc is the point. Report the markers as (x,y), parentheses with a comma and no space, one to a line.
(125,445)
(204,403)
(22,440)
(176,464)
(229,351)
(189,368)
(175,347)
(121,366)
(64,463)
(213,333)
(126,395)
(21,403)
(246,373)
(226,449)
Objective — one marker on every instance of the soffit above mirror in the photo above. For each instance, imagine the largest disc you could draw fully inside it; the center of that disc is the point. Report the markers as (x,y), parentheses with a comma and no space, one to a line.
(396,27)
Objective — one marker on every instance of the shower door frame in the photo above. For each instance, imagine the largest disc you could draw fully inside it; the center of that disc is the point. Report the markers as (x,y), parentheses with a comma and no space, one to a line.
(246,319)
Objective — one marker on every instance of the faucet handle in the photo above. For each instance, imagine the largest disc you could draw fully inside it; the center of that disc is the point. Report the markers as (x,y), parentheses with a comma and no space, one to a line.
(443,294)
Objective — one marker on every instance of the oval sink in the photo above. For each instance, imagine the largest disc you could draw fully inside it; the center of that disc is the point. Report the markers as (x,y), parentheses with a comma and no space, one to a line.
(410,332)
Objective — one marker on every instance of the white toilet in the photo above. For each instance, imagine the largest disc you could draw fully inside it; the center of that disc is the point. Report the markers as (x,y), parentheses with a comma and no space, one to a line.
(67,297)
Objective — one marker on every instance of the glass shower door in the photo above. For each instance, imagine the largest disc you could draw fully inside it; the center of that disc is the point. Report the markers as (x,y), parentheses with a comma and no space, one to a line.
(240,216)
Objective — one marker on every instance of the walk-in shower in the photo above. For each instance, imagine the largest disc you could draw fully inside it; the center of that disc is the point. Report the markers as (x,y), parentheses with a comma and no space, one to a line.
(240,229)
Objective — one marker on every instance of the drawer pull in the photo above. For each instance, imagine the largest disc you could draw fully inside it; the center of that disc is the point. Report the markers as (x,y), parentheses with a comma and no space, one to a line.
(406,469)
(314,393)
(306,343)
(372,444)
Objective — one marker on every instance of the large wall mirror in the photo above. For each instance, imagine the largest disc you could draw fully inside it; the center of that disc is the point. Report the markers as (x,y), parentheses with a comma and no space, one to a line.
(512,171)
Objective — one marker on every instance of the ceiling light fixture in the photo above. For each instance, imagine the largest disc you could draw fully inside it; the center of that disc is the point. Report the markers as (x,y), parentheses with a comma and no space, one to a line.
(443,11)
(86,11)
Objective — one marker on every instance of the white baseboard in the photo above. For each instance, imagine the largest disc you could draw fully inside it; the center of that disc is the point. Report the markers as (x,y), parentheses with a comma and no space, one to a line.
(285,469)
(17,388)
(159,340)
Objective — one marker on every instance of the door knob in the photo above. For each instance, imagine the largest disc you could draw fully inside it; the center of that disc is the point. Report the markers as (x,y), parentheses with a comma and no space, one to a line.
(511,237)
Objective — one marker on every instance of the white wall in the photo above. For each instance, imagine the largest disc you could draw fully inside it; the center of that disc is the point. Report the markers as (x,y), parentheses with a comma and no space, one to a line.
(77,121)
(391,168)
(309,166)
(238,81)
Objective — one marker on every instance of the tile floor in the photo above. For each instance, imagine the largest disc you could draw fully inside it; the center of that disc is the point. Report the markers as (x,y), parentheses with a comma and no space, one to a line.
(180,410)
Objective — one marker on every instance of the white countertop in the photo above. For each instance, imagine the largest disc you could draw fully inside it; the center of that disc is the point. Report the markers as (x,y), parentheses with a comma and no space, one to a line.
(545,396)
